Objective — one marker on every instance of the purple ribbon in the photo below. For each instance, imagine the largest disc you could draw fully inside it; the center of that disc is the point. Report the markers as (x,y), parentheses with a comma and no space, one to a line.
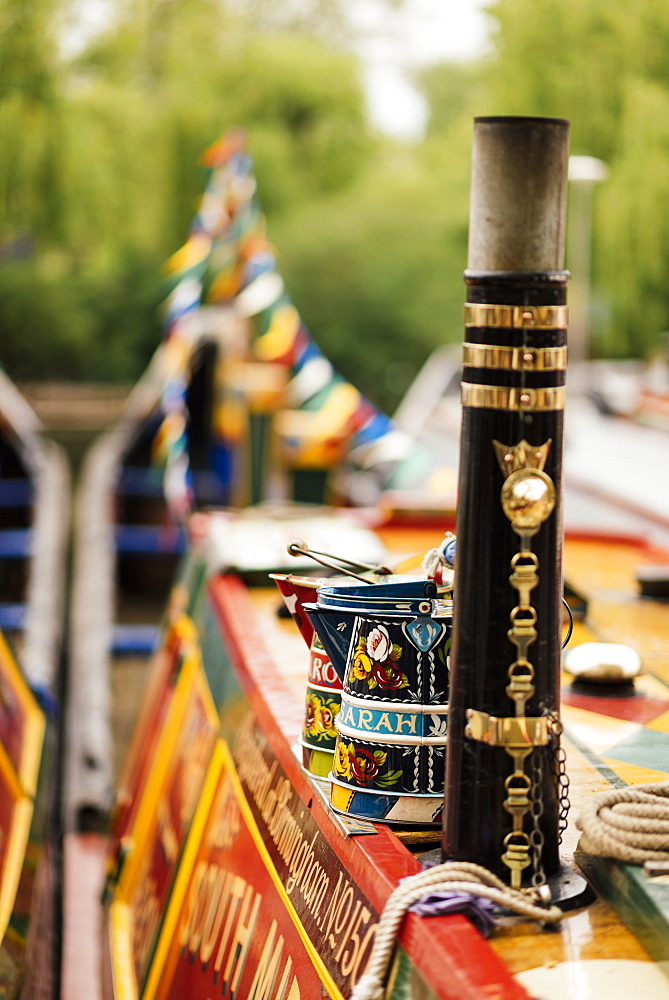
(475,908)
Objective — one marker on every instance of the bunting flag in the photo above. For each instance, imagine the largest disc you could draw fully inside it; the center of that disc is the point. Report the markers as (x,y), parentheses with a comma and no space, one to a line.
(211,232)
(322,420)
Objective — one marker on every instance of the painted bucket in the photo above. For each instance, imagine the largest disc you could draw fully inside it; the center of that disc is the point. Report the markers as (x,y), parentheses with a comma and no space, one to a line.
(322,706)
(389,754)
(392,595)
(389,761)
(323,690)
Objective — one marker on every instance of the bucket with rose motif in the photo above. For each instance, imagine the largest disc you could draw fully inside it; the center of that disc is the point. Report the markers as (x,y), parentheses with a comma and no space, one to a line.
(389,754)
(323,703)
(323,691)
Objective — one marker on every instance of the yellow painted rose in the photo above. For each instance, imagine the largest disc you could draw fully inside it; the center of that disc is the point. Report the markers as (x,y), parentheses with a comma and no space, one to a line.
(314,705)
(344,754)
(362,662)
(325,716)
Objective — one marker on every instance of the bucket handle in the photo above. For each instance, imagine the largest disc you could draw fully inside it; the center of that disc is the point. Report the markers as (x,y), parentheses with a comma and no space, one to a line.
(337,563)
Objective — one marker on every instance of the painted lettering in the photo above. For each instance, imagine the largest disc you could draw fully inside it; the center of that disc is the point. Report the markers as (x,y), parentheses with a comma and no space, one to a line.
(321,885)
(264,789)
(211,892)
(215,912)
(267,969)
(236,890)
(194,757)
(374,722)
(346,714)
(281,814)
(225,825)
(316,669)
(239,947)
(194,901)
(294,990)
(330,675)
(305,854)
(341,915)
(350,957)
(343,910)
(330,912)
(290,835)
(265,786)
(384,722)
(363,954)
(202,880)
(283,985)
(345,937)
(404,721)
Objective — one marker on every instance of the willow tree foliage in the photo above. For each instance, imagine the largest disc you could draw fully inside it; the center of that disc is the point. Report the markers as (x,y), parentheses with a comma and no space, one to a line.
(604,65)
(99,155)
(100,140)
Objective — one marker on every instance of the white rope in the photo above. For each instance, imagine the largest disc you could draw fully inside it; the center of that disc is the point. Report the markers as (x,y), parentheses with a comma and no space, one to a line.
(628,824)
(453,876)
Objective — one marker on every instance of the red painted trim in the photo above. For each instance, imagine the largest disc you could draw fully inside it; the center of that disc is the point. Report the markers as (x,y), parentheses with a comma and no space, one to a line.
(428,519)
(605,537)
(640,708)
(652,553)
(454,959)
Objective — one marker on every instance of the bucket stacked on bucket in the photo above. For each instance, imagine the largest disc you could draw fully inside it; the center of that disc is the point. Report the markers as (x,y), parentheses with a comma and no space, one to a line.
(323,690)
(389,644)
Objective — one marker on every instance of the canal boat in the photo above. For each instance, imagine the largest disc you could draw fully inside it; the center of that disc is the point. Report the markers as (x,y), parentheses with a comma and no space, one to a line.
(237,864)
(228,873)
(34,517)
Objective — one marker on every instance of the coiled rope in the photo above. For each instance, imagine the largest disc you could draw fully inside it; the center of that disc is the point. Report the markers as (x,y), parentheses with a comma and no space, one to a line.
(452,876)
(628,824)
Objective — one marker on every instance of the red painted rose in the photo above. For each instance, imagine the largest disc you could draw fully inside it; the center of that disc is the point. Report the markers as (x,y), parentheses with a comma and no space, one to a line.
(364,767)
(388,677)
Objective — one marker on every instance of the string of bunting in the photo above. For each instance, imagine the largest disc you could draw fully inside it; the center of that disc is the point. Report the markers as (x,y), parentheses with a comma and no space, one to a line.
(322,420)
(212,228)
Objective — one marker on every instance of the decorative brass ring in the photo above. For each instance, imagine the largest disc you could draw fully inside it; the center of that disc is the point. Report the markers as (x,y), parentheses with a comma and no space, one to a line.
(516,317)
(528,359)
(497,397)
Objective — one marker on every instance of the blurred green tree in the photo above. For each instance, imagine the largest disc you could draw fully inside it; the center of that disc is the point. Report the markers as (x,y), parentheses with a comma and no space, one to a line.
(602,64)
(99,151)
(99,173)
(376,271)
(30,122)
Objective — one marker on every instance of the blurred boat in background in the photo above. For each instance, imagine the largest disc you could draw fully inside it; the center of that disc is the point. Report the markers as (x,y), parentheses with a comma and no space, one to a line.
(34,525)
